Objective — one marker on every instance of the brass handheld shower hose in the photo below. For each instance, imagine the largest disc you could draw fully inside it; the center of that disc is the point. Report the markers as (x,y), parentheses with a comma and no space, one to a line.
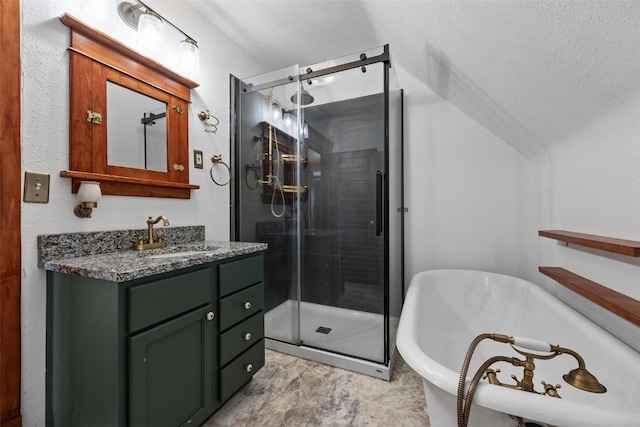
(462,408)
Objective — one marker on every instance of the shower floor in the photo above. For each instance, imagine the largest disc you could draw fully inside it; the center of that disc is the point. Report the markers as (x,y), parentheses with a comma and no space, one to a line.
(354,333)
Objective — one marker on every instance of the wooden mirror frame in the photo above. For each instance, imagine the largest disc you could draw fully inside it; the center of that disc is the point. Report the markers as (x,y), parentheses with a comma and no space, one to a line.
(94,59)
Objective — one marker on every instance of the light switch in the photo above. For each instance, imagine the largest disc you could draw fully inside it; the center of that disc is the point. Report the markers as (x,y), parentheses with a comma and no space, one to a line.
(36,187)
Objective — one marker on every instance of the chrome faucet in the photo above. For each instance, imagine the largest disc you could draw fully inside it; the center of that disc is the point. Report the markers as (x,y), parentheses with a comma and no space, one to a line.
(151,243)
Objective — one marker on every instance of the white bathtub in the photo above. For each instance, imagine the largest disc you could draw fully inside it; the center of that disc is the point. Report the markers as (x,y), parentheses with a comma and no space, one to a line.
(445,309)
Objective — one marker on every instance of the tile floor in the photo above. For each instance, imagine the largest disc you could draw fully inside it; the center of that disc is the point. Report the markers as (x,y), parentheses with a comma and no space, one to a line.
(292,392)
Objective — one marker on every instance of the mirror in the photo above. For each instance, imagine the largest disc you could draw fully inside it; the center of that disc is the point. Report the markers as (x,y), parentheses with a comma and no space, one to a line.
(129,125)
(136,129)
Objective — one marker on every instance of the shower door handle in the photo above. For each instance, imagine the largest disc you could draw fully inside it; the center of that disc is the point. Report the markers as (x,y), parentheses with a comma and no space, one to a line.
(379,194)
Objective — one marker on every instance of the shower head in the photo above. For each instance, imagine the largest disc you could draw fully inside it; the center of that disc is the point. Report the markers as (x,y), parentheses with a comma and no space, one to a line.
(305,98)
(584,380)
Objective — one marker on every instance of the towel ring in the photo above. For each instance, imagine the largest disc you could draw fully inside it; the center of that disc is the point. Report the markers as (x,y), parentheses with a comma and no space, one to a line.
(216,159)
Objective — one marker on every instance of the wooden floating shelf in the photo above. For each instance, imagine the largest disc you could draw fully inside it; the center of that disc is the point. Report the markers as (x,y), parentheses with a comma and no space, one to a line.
(610,244)
(617,303)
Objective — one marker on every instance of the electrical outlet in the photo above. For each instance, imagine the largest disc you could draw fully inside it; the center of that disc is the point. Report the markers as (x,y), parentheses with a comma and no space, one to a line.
(36,187)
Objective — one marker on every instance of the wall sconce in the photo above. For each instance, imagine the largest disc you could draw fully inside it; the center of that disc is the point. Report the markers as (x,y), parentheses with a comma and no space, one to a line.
(148,24)
(88,194)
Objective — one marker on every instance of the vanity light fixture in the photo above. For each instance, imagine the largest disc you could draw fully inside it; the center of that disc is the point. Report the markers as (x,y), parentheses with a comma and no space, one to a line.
(189,57)
(288,118)
(150,36)
(276,112)
(148,24)
(88,194)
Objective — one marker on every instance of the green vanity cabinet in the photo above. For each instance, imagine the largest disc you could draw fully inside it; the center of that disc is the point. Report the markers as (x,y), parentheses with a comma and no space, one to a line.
(241,308)
(171,372)
(152,351)
(171,364)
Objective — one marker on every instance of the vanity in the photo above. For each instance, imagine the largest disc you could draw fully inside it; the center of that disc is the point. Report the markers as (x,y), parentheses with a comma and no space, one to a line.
(142,331)
(155,338)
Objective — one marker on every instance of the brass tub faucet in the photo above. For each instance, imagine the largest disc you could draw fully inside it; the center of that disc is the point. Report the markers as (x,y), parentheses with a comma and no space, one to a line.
(149,242)
(578,377)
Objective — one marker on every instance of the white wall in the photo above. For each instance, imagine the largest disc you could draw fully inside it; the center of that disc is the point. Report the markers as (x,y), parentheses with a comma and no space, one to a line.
(469,193)
(478,194)
(45,141)
(596,190)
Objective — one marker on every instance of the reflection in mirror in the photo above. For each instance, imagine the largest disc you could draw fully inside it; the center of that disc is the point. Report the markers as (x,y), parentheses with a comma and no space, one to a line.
(136,130)
(278,166)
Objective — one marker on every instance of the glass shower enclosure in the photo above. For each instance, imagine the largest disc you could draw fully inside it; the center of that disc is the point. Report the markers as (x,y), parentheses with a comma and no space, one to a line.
(318,168)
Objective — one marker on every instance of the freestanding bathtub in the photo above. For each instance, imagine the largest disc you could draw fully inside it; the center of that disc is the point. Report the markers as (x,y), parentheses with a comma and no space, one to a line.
(445,310)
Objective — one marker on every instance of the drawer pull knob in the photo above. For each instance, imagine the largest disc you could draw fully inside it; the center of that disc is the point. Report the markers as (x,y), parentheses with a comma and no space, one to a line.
(249,367)
(247,336)
(210,315)
(247,305)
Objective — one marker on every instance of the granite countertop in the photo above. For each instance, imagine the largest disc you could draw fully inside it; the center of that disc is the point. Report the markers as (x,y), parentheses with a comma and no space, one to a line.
(128,265)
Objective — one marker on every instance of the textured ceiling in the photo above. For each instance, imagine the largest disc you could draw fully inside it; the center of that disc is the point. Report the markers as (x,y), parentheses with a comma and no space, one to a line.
(533,72)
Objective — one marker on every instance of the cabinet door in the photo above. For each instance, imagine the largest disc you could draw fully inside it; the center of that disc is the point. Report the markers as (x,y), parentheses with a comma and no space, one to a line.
(171,372)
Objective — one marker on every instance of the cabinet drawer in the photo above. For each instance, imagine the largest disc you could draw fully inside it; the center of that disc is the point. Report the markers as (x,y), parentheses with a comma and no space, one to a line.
(236,275)
(239,371)
(155,301)
(240,337)
(241,305)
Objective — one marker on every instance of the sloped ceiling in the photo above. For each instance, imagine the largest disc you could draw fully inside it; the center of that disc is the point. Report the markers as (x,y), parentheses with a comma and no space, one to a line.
(533,72)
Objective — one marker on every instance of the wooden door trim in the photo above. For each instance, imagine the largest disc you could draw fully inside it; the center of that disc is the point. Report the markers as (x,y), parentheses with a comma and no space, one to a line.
(10,227)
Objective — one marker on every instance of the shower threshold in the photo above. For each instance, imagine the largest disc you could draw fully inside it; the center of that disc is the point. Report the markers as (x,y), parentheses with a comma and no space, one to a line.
(339,337)
(354,364)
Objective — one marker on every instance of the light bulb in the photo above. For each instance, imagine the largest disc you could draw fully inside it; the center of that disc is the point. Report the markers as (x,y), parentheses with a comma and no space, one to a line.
(89,193)
(288,119)
(276,113)
(189,58)
(150,35)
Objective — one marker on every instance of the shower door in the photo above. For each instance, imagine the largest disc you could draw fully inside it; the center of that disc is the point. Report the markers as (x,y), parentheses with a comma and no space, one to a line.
(312,177)
(342,291)
(266,190)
